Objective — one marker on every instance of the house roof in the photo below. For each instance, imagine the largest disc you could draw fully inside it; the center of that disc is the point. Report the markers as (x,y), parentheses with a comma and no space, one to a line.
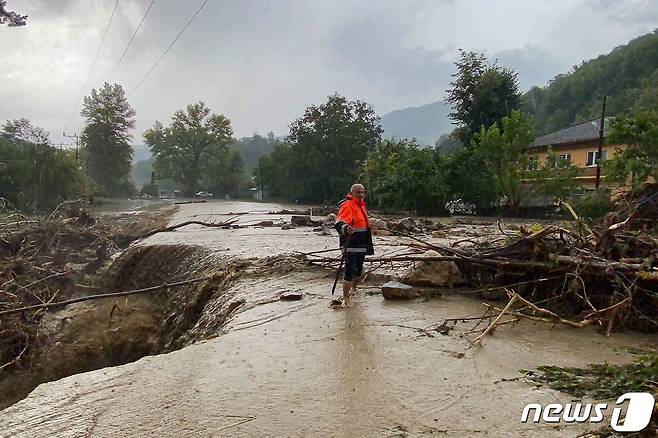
(584,131)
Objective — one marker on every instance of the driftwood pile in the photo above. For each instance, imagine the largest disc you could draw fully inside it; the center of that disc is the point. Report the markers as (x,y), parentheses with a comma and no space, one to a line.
(573,274)
(565,273)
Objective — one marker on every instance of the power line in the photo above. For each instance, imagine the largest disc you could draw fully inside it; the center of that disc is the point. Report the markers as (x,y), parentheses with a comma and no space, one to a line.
(93,64)
(139,26)
(167,50)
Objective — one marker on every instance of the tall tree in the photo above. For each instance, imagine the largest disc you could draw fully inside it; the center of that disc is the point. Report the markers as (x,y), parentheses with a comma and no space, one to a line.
(193,149)
(481,94)
(11,18)
(109,119)
(329,144)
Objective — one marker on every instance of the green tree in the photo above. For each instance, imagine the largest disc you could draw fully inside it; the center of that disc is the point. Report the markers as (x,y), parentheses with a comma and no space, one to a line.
(35,176)
(556,177)
(106,136)
(374,169)
(504,153)
(274,174)
(11,18)
(329,143)
(481,94)
(193,149)
(254,147)
(639,162)
(628,75)
(404,177)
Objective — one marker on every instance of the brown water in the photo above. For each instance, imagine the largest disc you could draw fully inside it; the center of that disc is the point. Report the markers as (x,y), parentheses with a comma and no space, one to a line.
(302,369)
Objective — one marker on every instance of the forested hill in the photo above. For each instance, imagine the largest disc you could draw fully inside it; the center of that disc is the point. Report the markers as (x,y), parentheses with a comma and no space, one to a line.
(628,76)
(425,123)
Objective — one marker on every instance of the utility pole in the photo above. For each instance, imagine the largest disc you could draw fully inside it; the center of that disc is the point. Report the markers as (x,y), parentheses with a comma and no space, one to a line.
(600,150)
(77,138)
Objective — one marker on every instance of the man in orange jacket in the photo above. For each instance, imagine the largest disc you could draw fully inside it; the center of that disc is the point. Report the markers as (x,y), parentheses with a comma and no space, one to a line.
(355,237)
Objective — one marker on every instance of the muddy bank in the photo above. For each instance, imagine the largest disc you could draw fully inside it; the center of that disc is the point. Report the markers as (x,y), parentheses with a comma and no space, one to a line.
(109,332)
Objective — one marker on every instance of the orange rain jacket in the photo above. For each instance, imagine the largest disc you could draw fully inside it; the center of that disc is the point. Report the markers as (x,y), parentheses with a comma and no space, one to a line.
(353,212)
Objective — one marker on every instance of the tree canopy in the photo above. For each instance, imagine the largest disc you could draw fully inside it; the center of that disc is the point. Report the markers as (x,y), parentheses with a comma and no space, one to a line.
(11,18)
(481,94)
(35,176)
(193,150)
(106,135)
(628,76)
(639,162)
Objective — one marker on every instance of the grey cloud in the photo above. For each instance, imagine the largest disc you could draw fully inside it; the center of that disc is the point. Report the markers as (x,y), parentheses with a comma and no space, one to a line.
(535,65)
(262,62)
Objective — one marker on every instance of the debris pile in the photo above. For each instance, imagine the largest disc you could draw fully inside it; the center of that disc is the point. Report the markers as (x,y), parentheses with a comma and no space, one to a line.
(567,273)
(571,273)
(50,259)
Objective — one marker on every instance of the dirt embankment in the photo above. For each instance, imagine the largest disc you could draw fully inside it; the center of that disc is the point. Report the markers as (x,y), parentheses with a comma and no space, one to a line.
(108,332)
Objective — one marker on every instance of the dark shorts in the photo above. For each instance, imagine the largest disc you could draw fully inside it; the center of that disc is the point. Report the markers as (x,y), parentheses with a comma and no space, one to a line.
(353,265)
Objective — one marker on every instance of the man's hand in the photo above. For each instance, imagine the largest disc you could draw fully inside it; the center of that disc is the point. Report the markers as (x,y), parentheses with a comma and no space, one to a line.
(349,229)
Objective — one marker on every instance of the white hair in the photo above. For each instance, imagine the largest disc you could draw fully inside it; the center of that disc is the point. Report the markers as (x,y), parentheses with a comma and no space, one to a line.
(354,186)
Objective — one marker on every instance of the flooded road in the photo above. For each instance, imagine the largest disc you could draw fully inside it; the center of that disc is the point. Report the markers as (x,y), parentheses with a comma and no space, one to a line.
(301,369)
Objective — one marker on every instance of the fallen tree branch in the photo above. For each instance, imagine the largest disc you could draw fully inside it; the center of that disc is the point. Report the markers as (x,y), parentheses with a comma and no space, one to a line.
(101,296)
(184,224)
(491,326)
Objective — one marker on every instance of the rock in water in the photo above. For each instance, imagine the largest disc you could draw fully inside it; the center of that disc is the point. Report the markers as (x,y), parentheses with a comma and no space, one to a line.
(394,290)
(434,273)
(286,227)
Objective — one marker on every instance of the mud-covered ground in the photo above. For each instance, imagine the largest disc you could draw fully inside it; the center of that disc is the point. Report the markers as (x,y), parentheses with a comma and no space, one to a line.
(297,368)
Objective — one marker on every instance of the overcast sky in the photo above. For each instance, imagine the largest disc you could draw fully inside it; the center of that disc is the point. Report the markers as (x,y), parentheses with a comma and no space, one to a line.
(261,63)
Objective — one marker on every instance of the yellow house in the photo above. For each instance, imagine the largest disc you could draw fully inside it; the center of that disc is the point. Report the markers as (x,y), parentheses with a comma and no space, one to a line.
(578,144)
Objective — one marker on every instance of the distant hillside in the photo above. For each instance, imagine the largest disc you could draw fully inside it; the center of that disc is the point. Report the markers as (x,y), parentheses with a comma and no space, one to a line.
(141,153)
(628,76)
(426,123)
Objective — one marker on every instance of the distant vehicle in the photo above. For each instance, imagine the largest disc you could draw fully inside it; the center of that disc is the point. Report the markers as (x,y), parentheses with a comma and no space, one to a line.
(203,195)
(458,206)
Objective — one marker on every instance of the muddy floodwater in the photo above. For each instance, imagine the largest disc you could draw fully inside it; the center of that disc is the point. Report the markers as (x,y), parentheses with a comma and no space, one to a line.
(299,368)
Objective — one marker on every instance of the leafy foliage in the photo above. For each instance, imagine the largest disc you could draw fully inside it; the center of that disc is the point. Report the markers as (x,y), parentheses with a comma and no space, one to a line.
(106,136)
(639,162)
(602,381)
(254,147)
(33,175)
(11,18)
(504,158)
(481,94)
(194,151)
(324,151)
(404,177)
(628,75)
(555,177)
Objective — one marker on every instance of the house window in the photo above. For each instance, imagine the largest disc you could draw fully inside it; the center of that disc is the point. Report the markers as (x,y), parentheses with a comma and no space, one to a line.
(562,161)
(590,157)
(533,163)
